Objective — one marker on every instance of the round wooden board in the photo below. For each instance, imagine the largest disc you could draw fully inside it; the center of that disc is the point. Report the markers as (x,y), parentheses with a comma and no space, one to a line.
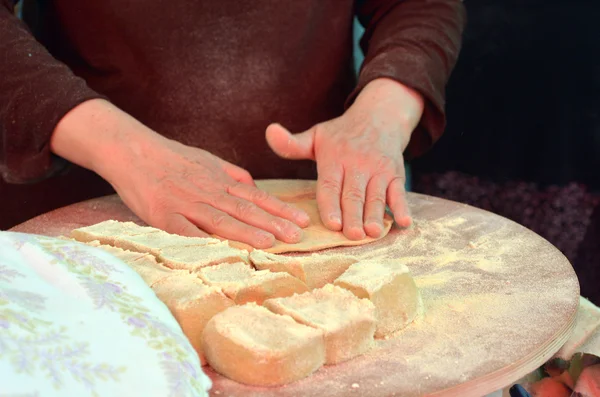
(499,302)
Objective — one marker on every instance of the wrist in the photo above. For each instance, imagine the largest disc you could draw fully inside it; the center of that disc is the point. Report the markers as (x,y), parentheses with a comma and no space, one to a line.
(99,136)
(392,106)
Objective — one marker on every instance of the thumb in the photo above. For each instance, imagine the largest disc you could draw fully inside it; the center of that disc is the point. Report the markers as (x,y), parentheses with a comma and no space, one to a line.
(295,147)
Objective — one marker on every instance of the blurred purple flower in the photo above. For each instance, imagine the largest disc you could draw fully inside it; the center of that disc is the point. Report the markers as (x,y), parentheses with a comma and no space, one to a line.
(113,288)
(136,322)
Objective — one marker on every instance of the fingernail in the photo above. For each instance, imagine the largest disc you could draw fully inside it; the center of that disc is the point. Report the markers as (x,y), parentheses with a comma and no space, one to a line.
(264,239)
(404,221)
(290,230)
(295,235)
(375,227)
(302,218)
(335,219)
(358,232)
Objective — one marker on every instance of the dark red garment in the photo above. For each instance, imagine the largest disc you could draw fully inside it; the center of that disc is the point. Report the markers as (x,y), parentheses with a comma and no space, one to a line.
(211,74)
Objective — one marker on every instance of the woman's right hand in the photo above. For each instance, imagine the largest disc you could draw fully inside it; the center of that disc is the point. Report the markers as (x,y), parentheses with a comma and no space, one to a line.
(176,188)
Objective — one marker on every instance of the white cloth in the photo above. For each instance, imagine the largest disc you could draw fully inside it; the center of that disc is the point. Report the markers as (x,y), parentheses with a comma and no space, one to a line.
(75,321)
(586,335)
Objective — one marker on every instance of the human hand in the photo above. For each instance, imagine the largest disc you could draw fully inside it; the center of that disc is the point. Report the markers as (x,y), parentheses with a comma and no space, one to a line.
(359,158)
(177,188)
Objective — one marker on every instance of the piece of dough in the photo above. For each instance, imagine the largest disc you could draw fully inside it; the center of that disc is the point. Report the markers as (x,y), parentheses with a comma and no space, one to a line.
(348,322)
(243,284)
(150,270)
(302,194)
(251,345)
(106,232)
(192,303)
(154,243)
(199,256)
(317,237)
(124,255)
(315,270)
(143,264)
(391,288)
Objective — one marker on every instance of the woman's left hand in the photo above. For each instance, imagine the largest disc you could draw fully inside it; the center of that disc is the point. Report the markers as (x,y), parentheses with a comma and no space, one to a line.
(359,158)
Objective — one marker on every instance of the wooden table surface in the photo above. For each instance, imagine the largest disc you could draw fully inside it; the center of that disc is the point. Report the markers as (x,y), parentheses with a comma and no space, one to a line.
(499,302)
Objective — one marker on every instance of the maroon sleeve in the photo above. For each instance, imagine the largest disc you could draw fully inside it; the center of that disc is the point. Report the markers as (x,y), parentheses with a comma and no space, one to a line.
(36,91)
(415,42)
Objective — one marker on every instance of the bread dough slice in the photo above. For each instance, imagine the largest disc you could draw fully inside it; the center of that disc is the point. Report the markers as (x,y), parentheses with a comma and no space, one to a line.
(124,255)
(243,284)
(347,322)
(150,270)
(195,257)
(251,345)
(391,288)
(314,270)
(106,232)
(143,264)
(154,243)
(192,303)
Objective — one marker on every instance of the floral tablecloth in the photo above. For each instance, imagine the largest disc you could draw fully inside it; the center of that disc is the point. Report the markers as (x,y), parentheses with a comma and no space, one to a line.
(75,321)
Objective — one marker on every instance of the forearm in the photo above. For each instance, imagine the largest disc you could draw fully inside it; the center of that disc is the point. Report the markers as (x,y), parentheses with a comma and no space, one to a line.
(416,43)
(99,136)
(390,106)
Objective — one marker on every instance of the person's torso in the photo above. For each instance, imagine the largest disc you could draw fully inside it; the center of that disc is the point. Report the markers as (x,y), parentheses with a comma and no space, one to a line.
(211,74)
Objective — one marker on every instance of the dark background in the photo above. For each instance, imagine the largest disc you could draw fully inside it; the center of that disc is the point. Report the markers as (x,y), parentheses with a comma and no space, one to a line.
(523,136)
(524,99)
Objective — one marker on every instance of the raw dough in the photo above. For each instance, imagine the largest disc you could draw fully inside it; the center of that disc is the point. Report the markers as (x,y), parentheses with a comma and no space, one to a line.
(243,284)
(149,270)
(195,257)
(318,237)
(154,243)
(122,254)
(143,264)
(175,252)
(391,288)
(302,194)
(252,345)
(315,270)
(347,321)
(192,304)
(106,232)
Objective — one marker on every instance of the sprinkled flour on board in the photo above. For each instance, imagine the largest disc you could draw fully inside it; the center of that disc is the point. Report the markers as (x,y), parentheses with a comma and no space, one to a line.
(493,293)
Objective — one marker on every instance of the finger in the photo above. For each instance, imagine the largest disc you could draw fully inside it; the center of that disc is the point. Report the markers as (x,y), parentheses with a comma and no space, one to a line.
(270,203)
(237,173)
(396,198)
(294,147)
(375,205)
(249,213)
(220,223)
(179,224)
(353,204)
(329,191)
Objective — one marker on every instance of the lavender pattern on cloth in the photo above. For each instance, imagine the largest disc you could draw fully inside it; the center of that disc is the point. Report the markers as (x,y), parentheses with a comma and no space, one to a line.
(77,321)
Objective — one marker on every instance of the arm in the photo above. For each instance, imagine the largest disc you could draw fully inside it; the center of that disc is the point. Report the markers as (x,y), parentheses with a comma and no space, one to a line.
(416,43)
(46,110)
(171,186)
(36,91)
(411,47)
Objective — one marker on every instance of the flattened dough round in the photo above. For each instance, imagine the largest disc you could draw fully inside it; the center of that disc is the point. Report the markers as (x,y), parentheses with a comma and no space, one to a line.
(302,194)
